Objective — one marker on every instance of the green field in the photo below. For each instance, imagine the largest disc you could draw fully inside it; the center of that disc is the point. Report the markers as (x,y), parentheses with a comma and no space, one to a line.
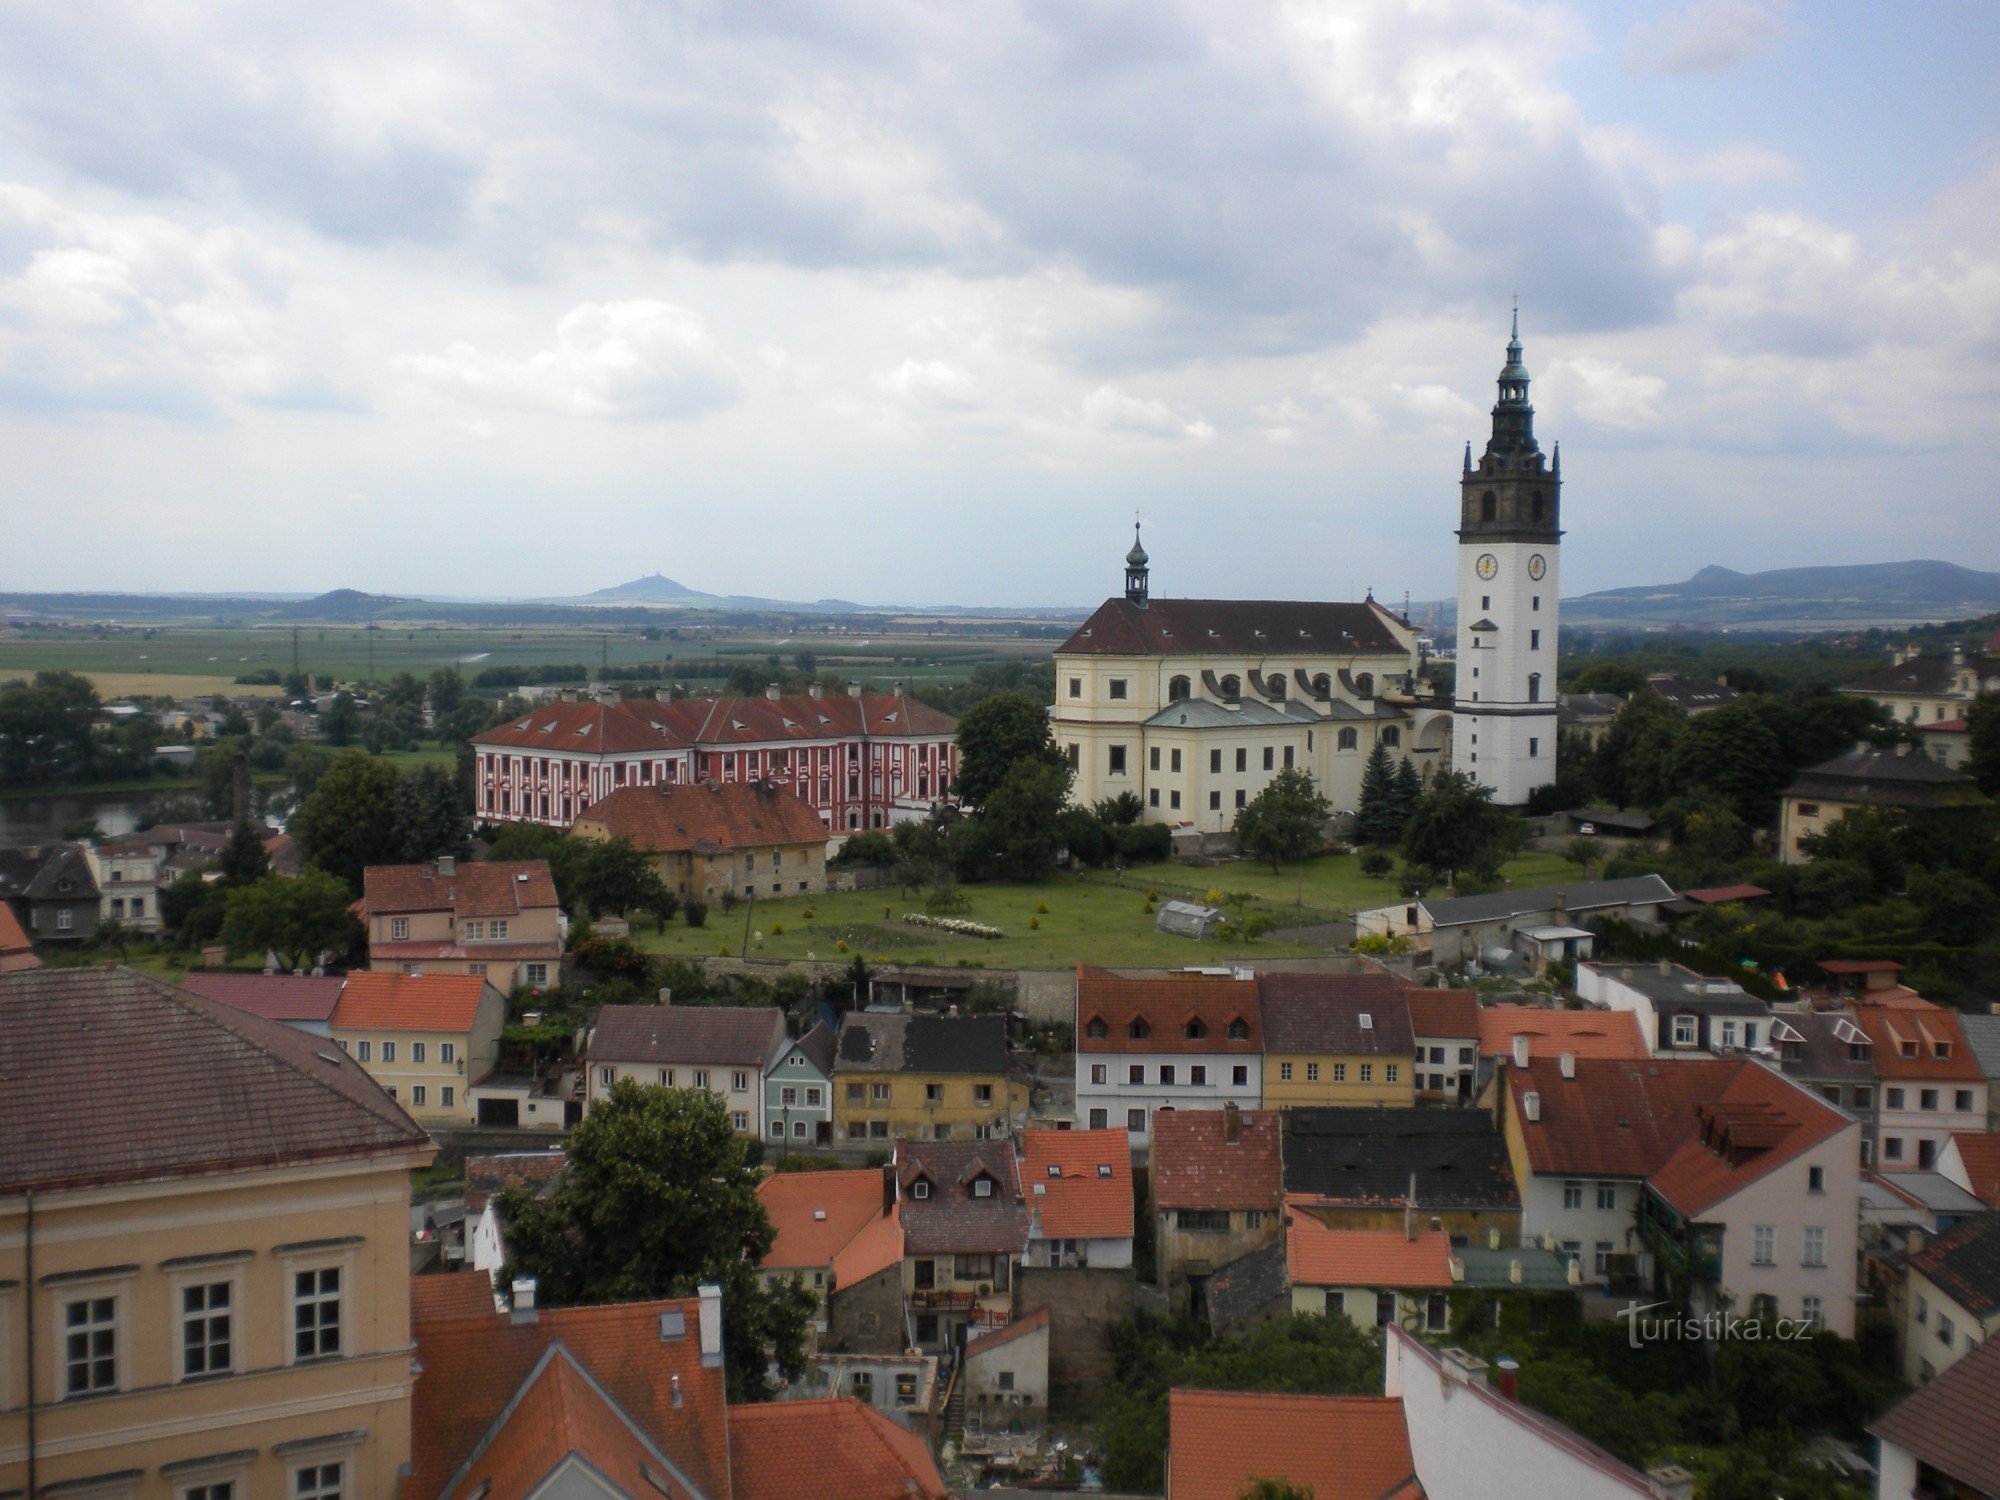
(1331,884)
(344,653)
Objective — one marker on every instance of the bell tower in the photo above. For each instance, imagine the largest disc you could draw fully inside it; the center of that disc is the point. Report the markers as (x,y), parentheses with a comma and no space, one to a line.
(1509,537)
(1136,571)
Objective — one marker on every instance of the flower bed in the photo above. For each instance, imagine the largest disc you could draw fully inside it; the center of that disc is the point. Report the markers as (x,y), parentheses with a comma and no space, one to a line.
(958,925)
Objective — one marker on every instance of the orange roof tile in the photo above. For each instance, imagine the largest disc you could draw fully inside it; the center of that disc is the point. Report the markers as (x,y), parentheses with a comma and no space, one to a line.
(455,1294)
(835,1446)
(877,1247)
(818,1214)
(410,1002)
(1921,1041)
(1167,1007)
(1582,1033)
(1008,1332)
(1980,1151)
(1079,1182)
(706,815)
(561,1413)
(1318,1256)
(1341,1447)
(1195,1165)
(17,953)
(475,888)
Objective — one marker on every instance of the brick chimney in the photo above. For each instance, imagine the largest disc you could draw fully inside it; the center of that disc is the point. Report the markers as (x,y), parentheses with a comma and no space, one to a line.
(1509,1371)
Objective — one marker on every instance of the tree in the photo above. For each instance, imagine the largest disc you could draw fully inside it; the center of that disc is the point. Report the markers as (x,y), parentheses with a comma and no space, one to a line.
(1455,827)
(191,909)
(1634,763)
(1016,834)
(428,818)
(1275,1489)
(447,692)
(608,877)
(244,861)
(994,736)
(1982,742)
(1730,753)
(341,721)
(658,1198)
(1285,821)
(47,730)
(1380,817)
(296,919)
(1958,911)
(349,821)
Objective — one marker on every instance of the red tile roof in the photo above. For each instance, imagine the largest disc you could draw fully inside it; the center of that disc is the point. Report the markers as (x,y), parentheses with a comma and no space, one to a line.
(744,1036)
(453,1294)
(474,1365)
(1341,1447)
(783,1449)
(1582,1033)
(1079,1182)
(1318,1256)
(1761,1121)
(487,1175)
(1718,895)
(101,1068)
(1447,1013)
(1980,1151)
(590,729)
(446,1003)
(476,888)
(1234,627)
(640,725)
(1195,1166)
(706,817)
(1949,1424)
(1920,1042)
(1166,1007)
(17,952)
(819,1215)
(561,1414)
(276,997)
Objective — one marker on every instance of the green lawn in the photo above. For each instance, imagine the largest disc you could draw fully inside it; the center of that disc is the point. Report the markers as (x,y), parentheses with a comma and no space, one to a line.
(1087,920)
(1333,883)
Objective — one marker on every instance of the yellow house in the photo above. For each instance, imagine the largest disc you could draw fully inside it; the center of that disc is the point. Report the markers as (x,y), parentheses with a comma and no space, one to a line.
(716,838)
(496,919)
(426,1038)
(925,1078)
(1336,1039)
(1824,794)
(204,1240)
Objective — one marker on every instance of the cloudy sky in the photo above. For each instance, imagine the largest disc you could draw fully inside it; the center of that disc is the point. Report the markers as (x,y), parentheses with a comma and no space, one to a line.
(899,301)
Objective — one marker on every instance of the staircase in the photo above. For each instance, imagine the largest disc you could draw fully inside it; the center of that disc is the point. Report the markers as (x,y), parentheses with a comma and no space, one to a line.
(954,1411)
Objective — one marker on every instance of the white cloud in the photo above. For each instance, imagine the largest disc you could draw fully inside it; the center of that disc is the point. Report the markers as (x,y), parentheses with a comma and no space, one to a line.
(1708,35)
(643,359)
(1108,409)
(929,382)
(1605,391)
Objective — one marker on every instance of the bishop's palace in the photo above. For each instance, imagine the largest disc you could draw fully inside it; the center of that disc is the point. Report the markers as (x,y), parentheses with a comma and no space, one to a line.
(1195,704)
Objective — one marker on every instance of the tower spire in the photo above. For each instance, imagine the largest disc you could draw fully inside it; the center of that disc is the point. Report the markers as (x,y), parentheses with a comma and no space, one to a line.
(1136,571)
(1513,416)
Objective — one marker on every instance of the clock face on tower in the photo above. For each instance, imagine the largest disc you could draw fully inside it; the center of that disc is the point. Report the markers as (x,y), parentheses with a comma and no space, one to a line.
(1488,565)
(1537,566)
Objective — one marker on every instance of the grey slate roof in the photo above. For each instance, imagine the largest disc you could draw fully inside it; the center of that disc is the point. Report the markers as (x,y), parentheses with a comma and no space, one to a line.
(1683,989)
(1823,1052)
(1965,1263)
(895,1042)
(1203,713)
(720,1035)
(1583,897)
(38,876)
(1366,1155)
(1882,776)
(1982,1034)
(1322,1013)
(817,1047)
(952,1221)
(113,1076)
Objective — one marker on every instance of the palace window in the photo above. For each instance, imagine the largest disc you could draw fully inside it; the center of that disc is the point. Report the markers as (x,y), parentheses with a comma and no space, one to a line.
(1347,739)
(1178,688)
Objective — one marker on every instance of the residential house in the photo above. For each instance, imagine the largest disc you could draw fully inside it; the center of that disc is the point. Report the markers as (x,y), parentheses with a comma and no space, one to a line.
(1691,695)
(1951,1298)
(1931,1084)
(306,1001)
(1005,1372)
(52,892)
(1820,796)
(1742,1180)
(940,1078)
(1373,1277)
(1187,1042)
(1922,691)
(1459,929)
(965,1225)
(1514,1033)
(1679,1010)
(1829,1053)
(716,839)
(127,872)
(839,1234)
(426,1038)
(1336,1039)
(1080,1198)
(1982,1034)
(485,1178)
(863,760)
(1444,1030)
(1587,714)
(156,1235)
(798,1091)
(498,919)
(1385,1168)
(1217,1187)
(1942,1440)
(1331,1447)
(899,1384)
(1972,1160)
(17,952)
(725,1049)
(629,1398)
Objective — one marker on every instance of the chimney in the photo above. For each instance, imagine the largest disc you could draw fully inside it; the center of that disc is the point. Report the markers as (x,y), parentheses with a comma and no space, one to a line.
(1232,1123)
(1562,900)
(711,1324)
(1671,1482)
(1566,1064)
(447,865)
(524,1300)
(674,1385)
(1493,1237)
(899,690)
(1520,1050)
(1531,1106)
(1509,1382)
(1666,968)
(1463,1366)
(854,690)
(815,691)
(666,995)
(771,691)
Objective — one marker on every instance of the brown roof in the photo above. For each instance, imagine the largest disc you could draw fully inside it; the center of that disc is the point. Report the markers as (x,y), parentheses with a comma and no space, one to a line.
(450,1294)
(1167,1007)
(489,888)
(113,1076)
(834,1446)
(1194,1166)
(953,1220)
(1965,1263)
(276,997)
(1449,1013)
(487,1175)
(1338,1447)
(560,1413)
(410,1002)
(745,1036)
(1079,1182)
(1980,1151)
(1232,627)
(1949,1424)
(1324,1013)
(1922,676)
(706,816)
(1883,776)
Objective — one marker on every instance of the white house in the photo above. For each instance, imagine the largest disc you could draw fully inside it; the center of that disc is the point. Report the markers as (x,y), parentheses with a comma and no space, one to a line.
(1679,1011)
(1951,1298)
(1192,1041)
(726,1050)
(1078,1185)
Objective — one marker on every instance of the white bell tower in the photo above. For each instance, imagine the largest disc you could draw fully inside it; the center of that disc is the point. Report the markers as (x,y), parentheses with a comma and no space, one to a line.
(1503,731)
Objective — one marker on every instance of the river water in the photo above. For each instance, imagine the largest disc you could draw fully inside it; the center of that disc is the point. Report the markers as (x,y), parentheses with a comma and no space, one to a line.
(41,820)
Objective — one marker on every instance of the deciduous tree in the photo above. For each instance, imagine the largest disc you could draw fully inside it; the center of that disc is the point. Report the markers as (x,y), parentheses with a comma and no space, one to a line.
(296,919)
(995,736)
(1285,821)
(1456,827)
(349,821)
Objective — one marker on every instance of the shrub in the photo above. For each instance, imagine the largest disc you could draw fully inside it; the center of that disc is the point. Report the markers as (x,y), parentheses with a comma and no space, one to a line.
(1034,924)
(723,951)
(777,929)
(695,910)
(807,913)
(841,946)
(1375,863)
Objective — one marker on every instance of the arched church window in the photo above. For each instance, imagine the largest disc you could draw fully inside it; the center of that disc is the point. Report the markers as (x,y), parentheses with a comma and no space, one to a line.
(1349,739)
(1534,687)
(1489,506)
(1232,687)
(1276,685)
(1392,737)
(1365,684)
(1322,684)
(1178,690)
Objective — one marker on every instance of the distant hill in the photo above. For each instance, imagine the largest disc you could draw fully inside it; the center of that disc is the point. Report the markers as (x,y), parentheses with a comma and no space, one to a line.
(1898,593)
(654,588)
